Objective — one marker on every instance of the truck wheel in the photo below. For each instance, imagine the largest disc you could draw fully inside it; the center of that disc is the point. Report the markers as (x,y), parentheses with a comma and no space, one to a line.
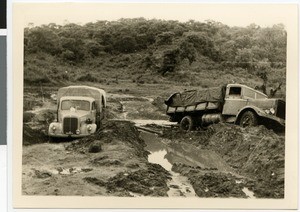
(249,118)
(187,123)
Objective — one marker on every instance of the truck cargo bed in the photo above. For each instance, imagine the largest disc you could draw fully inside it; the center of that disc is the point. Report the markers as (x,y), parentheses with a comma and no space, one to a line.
(194,108)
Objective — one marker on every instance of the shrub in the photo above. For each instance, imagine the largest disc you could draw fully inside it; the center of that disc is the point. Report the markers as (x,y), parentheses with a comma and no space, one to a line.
(87,78)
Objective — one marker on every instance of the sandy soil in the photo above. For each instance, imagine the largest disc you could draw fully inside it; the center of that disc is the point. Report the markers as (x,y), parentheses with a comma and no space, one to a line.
(223,161)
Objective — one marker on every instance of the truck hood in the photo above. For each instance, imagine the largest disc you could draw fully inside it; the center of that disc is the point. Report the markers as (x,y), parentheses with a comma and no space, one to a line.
(278,105)
(264,103)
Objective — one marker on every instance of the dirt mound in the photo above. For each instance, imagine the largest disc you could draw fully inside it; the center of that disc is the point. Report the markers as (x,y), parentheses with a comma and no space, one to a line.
(35,125)
(111,131)
(45,116)
(114,108)
(198,138)
(148,182)
(39,118)
(151,181)
(255,152)
(212,183)
(32,100)
(33,136)
(105,161)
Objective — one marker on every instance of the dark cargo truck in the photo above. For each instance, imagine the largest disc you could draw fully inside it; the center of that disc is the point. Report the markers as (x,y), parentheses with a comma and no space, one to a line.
(232,103)
(80,110)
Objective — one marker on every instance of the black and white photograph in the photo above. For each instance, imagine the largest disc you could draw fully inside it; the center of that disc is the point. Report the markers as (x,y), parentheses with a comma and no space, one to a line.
(163,101)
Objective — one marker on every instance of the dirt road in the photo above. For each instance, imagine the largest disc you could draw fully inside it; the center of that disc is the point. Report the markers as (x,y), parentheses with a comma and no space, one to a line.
(223,161)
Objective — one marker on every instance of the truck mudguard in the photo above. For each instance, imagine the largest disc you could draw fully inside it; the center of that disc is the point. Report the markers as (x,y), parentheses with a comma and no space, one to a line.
(260,112)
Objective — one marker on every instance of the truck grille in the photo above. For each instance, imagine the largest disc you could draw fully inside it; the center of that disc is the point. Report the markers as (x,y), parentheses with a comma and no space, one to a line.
(70,125)
(280,109)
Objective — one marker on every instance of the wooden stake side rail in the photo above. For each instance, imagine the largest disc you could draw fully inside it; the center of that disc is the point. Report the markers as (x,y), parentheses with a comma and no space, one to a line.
(193,108)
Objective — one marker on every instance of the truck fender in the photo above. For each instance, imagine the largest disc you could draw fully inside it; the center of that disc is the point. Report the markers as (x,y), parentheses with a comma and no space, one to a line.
(256,110)
(54,127)
(92,127)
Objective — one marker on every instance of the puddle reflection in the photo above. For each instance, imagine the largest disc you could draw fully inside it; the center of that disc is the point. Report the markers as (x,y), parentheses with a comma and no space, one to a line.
(165,155)
(159,158)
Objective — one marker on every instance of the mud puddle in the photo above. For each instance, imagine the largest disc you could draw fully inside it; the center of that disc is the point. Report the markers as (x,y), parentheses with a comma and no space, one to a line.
(185,154)
(179,185)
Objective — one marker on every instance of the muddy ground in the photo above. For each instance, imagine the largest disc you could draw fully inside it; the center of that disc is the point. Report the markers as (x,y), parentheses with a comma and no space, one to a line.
(124,160)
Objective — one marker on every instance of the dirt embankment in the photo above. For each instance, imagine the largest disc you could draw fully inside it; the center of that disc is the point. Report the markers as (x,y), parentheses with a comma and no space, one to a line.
(112,162)
(211,183)
(256,153)
(39,112)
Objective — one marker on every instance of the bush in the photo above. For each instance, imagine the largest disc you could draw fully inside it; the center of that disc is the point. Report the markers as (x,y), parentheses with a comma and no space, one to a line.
(87,78)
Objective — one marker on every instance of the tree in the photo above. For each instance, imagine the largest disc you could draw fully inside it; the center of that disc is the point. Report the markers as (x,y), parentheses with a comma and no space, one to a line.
(202,43)
(170,60)
(187,50)
(42,39)
(245,59)
(74,47)
(263,68)
(94,48)
(126,44)
(165,38)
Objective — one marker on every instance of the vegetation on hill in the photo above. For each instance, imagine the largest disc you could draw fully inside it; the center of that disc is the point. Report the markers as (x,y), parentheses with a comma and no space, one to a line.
(155,51)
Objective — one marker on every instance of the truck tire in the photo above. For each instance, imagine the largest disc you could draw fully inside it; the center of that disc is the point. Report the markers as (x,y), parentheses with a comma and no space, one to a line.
(248,118)
(187,123)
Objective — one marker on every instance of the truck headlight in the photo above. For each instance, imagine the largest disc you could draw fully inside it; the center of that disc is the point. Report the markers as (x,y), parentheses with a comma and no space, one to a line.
(53,128)
(89,128)
(77,132)
(270,111)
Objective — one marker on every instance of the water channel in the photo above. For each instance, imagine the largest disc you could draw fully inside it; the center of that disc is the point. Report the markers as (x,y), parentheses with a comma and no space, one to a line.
(179,185)
(167,154)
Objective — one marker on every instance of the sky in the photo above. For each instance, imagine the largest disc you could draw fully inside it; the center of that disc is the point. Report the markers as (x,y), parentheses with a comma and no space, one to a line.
(230,14)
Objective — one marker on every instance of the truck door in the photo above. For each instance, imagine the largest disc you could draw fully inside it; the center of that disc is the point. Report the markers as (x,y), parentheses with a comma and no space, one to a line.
(234,100)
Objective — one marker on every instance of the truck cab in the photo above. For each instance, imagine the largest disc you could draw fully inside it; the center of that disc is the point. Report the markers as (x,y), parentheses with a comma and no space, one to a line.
(79,112)
(246,106)
(238,96)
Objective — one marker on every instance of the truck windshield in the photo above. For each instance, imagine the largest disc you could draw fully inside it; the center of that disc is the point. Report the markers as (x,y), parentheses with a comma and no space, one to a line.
(77,104)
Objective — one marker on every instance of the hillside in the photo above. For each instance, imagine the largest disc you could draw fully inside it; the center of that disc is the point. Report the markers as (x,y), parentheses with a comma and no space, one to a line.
(156,52)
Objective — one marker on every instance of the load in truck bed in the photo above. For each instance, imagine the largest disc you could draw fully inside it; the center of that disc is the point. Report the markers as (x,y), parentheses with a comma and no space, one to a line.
(213,98)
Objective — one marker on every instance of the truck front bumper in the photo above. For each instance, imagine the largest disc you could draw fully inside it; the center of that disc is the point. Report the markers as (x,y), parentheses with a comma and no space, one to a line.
(274,118)
(68,135)
(56,130)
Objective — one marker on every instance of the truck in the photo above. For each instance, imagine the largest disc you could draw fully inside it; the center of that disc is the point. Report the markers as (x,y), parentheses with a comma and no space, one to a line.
(80,111)
(231,103)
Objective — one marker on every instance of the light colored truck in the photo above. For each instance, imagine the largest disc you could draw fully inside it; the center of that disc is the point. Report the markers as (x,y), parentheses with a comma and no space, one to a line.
(232,103)
(80,110)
